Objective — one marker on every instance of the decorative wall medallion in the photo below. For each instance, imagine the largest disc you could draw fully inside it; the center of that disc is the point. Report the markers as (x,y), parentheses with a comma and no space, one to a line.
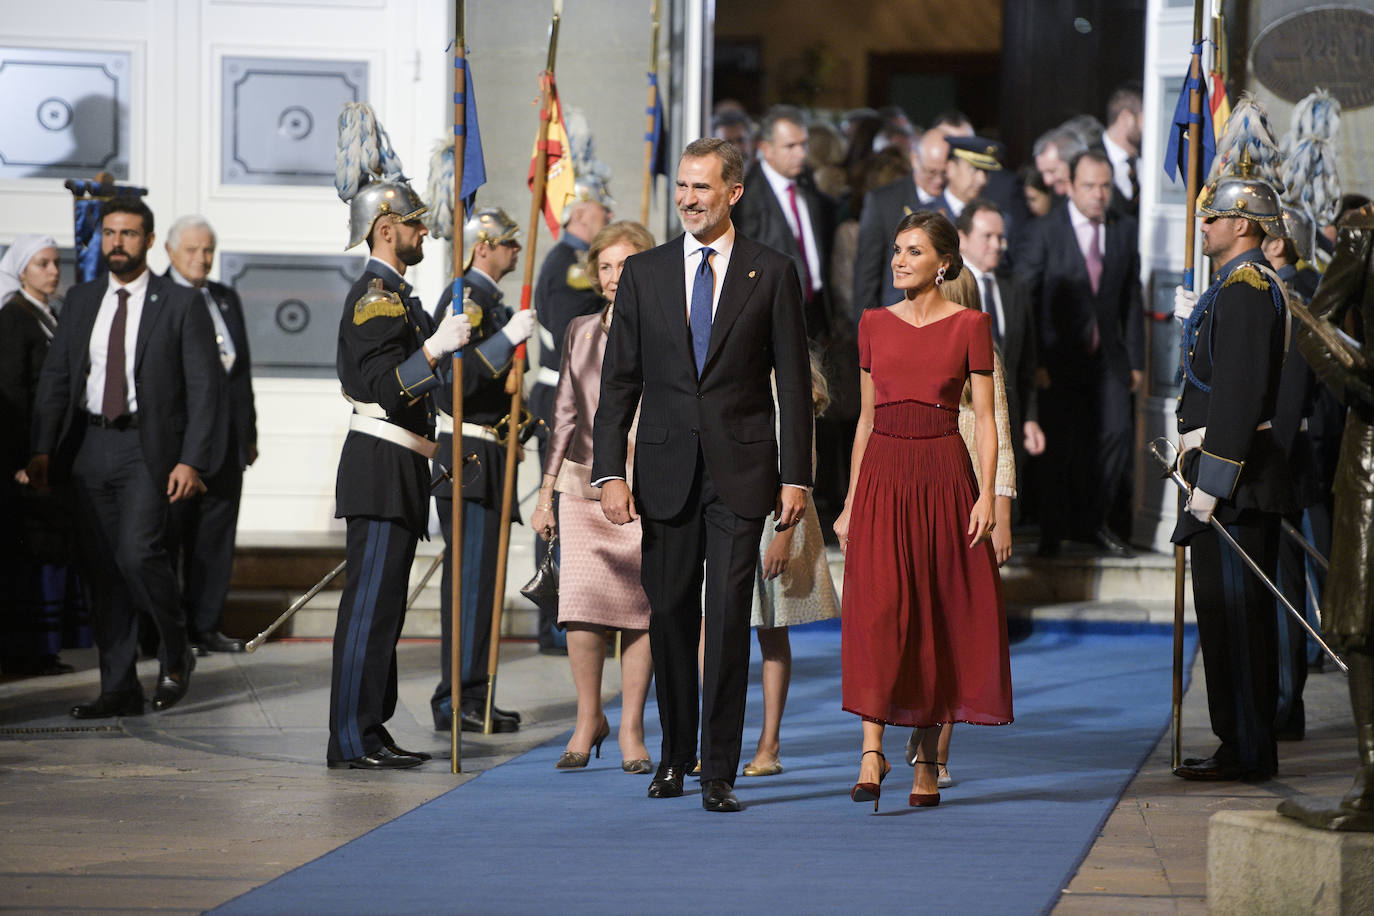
(65,113)
(291,305)
(279,116)
(1328,46)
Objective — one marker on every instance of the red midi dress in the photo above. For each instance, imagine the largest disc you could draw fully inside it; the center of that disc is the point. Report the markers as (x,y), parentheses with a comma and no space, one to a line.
(924,635)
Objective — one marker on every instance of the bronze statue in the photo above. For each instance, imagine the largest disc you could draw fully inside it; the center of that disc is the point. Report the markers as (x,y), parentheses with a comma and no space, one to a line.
(1337,337)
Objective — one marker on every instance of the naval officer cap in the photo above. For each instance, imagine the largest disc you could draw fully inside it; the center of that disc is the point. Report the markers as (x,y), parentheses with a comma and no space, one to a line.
(979,152)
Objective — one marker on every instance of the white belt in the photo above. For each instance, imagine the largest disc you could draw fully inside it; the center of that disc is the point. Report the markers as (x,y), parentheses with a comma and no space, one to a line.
(371,426)
(1193,438)
(370,420)
(547,376)
(443,423)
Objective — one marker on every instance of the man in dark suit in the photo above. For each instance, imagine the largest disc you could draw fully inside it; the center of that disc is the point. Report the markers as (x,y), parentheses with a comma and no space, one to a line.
(1007,298)
(708,466)
(390,359)
(126,406)
(781,208)
(1121,144)
(201,531)
(1084,273)
(884,208)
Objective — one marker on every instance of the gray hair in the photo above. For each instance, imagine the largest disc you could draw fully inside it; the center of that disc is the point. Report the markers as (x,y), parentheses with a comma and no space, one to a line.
(191,221)
(1065,142)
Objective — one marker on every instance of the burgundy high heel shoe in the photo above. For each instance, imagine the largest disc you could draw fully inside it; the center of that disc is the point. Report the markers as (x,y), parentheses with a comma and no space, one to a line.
(925,799)
(871,791)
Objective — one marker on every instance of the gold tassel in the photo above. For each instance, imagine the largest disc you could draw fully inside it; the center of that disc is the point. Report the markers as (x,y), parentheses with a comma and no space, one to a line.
(1250,275)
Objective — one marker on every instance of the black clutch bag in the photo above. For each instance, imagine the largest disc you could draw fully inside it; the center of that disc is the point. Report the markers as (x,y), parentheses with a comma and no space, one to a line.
(542,588)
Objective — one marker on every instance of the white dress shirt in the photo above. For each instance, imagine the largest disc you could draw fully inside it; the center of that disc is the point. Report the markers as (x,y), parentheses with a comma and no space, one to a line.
(927,200)
(100,342)
(1121,166)
(955,205)
(1083,231)
(691,262)
(779,184)
(720,262)
(993,307)
(223,341)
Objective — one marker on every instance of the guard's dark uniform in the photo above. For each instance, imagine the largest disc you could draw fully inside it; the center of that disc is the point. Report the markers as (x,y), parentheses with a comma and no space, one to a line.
(1233,351)
(487,360)
(562,293)
(383,492)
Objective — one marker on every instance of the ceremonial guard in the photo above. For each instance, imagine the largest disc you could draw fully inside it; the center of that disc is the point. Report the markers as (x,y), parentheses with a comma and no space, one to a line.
(490,240)
(561,294)
(1233,349)
(390,360)
(1336,341)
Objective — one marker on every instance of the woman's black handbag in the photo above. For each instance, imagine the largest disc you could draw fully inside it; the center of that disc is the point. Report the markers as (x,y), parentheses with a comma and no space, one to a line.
(542,588)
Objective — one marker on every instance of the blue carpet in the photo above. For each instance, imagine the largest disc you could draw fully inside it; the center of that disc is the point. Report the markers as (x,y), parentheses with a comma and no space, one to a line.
(1028,802)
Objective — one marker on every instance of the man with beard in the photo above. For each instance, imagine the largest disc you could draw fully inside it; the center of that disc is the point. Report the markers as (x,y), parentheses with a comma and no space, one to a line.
(1233,351)
(390,358)
(709,466)
(126,407)
(1121,143)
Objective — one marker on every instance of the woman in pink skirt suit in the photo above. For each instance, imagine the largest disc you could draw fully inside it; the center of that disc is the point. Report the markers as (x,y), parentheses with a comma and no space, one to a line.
(599,587)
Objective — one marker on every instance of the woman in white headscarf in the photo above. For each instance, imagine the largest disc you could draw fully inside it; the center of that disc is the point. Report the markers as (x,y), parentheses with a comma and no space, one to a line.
(31,619)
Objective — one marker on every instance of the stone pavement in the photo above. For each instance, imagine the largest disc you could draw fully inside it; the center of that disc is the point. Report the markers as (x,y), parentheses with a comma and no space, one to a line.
(184,810)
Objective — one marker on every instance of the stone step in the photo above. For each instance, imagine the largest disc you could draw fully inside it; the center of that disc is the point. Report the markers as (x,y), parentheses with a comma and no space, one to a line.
(1078,585)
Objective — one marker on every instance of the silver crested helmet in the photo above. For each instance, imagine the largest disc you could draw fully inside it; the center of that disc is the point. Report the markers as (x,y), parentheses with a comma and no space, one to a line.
(1246,197)
(489,225)
(1302,229)
(377,199)
(588,188)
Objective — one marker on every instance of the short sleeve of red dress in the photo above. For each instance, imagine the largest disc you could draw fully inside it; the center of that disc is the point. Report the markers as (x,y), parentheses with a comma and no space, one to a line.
(865,348)
(980,342)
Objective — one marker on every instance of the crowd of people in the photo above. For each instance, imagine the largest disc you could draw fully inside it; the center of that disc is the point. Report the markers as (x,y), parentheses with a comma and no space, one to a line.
(874,322)
(129,420)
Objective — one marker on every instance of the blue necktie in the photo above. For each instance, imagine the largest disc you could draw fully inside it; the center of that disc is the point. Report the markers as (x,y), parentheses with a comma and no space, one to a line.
(700,317)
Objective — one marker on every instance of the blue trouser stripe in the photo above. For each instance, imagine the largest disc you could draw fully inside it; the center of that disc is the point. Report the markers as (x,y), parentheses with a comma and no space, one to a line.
(474,528)
(359,630)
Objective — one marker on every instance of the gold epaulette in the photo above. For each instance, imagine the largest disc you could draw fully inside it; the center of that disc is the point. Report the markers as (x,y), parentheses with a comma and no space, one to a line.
(577,277)
(377,302)
(1249,274)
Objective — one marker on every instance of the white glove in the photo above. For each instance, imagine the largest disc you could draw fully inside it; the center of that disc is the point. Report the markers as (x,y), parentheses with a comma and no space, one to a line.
(520,326)
(1201,505)
(453,334)
(1184,300)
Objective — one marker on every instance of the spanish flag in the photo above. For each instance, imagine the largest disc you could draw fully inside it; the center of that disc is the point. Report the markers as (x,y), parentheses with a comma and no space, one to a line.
(1217,102)
(559,188)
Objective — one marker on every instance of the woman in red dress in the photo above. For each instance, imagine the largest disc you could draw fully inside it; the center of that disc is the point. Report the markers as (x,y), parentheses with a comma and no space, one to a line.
(924,637)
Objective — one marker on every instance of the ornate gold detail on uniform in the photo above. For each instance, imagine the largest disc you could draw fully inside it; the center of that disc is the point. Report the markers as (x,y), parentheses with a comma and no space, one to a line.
(907,211)
(376,302)
(1250,275)
(474,313)
(577,277)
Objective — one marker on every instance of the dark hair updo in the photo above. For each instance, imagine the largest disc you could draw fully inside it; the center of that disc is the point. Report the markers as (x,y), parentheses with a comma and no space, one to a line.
(942,234)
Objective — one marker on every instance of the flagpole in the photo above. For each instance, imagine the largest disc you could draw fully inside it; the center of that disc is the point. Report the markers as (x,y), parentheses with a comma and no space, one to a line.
(649,138)
(515,382)
(1190,221)
(455,541)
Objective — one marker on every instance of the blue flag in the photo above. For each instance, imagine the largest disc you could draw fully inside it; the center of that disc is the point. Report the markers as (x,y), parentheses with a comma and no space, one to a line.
(660,158)
(1176,156)
(474,166)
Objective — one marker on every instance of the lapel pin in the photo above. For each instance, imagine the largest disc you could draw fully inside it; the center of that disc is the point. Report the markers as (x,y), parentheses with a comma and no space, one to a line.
(753,274)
